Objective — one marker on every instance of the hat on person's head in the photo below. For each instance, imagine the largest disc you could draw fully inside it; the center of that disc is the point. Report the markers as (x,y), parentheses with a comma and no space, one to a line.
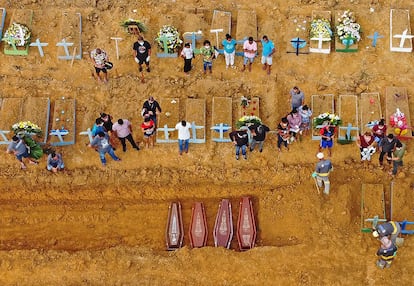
(320,155)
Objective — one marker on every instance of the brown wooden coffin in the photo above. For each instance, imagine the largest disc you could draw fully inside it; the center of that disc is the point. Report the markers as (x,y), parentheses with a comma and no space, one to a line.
(174,233)
(198,226)
(223,228)
(246,225)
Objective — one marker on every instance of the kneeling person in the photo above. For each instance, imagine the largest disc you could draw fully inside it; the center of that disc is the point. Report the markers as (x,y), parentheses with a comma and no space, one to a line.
(55,162)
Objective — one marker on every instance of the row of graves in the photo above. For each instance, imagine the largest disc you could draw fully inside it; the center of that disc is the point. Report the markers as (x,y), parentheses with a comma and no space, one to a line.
(223,229)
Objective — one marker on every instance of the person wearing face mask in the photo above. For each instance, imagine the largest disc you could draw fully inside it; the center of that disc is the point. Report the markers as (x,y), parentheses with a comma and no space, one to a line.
(207,52)
(142,53)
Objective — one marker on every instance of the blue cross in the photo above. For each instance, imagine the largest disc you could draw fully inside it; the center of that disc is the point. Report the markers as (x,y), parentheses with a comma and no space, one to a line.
(39,45)
(375,38)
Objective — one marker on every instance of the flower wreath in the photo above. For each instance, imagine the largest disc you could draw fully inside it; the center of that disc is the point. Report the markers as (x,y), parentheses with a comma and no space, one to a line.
(247,121)
(17,34)
(173,38)
(348,29)
(27,127)
(399,122)
(327,117)
(320,27)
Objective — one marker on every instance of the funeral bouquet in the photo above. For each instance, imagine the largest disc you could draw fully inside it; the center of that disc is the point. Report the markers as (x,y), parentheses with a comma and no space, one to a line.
(327,118)
(320,27)
(170,34)
(26,127)
(244,101)
(347,27)
(247,121)
(141,27)
(399,121)
(17,34)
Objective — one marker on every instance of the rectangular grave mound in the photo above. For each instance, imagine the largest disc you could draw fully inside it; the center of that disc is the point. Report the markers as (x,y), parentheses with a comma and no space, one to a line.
(320,104)
(63,125)
(372,205)
(346,45)
(370,110)
(251,109)
(222,119)
(246,25)
(24,17)
(10,113)
(195,112)
(37,110)
(396,98)
(400,31)
(69,42)
(322,42)
(170,116)
(348,112)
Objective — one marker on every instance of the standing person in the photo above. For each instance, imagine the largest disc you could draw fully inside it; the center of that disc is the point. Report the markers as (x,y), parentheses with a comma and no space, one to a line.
(229,45)
(187,54)
(283,134)
(142,53)
(258,132)
(267,53)
(250,50)
(184,135)
(98,127)
(123,130)
(386,146)
(55,162)
(323,167)
(305,114)
(297,97)
(107,124)
(240,140)
(379,130)
(390,229)
(152,108)
(366,143)
(327,136)
(102,145)
(99,57)
(295,122)
(386,253)
(19,149)
(397,157)
(148,128)
(207,51)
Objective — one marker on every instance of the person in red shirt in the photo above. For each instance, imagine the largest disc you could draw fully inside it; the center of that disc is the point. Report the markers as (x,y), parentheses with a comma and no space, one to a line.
(148,128)
(366,143)
(379,130)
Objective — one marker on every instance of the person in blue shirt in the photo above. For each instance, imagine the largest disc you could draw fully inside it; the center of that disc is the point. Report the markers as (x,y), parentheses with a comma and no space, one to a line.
(267,53)
(229,45)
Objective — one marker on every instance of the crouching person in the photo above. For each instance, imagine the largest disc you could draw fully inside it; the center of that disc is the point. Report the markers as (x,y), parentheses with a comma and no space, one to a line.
(386,253)
(55,162)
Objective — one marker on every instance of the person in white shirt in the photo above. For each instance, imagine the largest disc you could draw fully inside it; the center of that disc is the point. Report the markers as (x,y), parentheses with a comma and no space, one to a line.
(99,57)
(250,49)
(184,135)
(187,54)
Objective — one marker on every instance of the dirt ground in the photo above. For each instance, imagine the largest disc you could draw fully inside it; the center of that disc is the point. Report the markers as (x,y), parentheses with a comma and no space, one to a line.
(90,226)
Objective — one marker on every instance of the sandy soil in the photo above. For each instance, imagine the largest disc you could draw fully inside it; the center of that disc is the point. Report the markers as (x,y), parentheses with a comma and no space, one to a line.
(90,226)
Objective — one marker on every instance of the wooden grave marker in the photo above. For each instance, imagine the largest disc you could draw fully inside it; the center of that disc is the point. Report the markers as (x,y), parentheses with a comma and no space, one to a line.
(37,110)
(64,123)
(39,46)
(321,44)
(397,97)
(195,111)
(222,119)
(348,112)
(375,38)
(400,31)
(193,37)
(21,16)
(253,109)
(10,113)
(70,45)
(347,45)
(321,104)
(166,132)
(2,19)
(246,27)
(165,54)
(372,206)
(370,110)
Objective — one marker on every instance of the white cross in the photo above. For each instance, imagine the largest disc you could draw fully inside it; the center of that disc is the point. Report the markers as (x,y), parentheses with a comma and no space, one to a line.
(403,37)
(65,46)
(216,31)
(116,46)
(39,45)
(320,40)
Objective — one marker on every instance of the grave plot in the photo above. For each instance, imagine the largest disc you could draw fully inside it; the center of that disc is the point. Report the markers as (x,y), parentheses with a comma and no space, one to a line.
(220,25)
(2,19)
(400,210)
(16,47)
(348,44)
(370,110)
(246,25)
(70,37)
(297,34)
(396,99)
(400,31)
(222,118)
(251,109)
(372,206)
(195,19)
(348,112)
(37,110)
(195,111)
(321,104)
(321,32)
(86,122)
(64,126)
(167,120)
(10,113)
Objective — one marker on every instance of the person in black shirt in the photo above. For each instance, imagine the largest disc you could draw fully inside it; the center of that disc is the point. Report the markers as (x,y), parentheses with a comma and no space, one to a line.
(387,146)
(151,107)
(142,53)
(240,139)
(258,132)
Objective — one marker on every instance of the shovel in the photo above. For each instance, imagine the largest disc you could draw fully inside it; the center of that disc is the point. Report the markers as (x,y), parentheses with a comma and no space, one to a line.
(317,187)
